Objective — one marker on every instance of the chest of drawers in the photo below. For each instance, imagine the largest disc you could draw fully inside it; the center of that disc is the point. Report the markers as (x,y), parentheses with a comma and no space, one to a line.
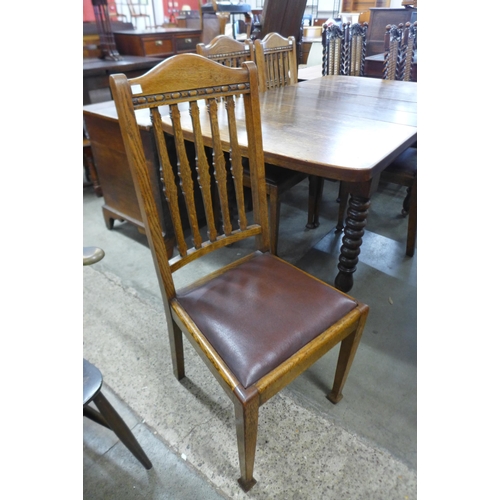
(159,42)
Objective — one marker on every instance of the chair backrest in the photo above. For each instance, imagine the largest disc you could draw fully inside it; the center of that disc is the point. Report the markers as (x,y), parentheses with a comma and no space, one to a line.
(400,44)
(344,49)
(175,88)
(276,58)
(227,51)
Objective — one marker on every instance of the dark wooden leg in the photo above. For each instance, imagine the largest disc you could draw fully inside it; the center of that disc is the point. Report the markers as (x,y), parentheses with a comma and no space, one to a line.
(412,221)
(343,198)
(177,350)
(108,218)
(274,219)
(351,241)
(247,418)
(316,185)
(406,202)
(95,416)
(88,161)
(348,349)
(119,427)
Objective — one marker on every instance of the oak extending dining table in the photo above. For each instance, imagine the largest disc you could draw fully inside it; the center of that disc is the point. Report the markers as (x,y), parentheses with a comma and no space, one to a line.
(345,128)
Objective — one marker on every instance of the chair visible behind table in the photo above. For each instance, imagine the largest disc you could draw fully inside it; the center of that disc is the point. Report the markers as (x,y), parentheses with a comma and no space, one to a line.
(227,51)
(276,58)
(400,46)
(258,322)
(344,53)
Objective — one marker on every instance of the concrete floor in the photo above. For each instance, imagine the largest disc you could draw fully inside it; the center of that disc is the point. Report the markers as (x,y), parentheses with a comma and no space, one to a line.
(363,447)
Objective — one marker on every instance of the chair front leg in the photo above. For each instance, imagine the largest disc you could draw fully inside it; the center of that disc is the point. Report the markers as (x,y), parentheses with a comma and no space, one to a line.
(348,349)
(247,419)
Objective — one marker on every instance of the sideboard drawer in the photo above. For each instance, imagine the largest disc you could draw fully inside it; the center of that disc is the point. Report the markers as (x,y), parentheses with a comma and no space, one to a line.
(187,43)
(159,46)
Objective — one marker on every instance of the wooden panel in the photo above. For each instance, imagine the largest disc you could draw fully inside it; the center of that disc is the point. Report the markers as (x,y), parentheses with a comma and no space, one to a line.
(283,17)
(379,19)
(363,5)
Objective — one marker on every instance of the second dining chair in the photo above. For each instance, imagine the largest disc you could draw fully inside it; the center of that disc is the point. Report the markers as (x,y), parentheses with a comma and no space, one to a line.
(276,58)
(230,52)
(227,51)
(258,322)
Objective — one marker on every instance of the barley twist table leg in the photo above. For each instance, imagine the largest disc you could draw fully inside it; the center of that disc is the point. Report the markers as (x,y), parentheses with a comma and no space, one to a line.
(357,213)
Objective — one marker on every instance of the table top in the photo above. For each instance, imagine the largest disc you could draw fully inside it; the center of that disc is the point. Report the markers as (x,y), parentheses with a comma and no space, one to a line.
(342,127)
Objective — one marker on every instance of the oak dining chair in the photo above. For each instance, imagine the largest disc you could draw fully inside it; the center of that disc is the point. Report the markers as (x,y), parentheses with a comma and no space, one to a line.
(230,52)
(276,58)
(227,51)
(257,322)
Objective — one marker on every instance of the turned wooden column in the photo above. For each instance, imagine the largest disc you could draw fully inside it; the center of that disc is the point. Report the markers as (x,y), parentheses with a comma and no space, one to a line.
(355,223)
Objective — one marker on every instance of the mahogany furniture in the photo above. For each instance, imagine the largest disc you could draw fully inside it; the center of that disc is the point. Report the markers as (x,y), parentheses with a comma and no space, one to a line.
(258,322)
(157,42)
(301,132)
(380,114)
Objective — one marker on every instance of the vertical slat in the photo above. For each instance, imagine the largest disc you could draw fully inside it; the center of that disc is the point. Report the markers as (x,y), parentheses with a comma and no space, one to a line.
(168,181)
(236,164)
(185,174)
(220,166)
(204,178)
(286,68)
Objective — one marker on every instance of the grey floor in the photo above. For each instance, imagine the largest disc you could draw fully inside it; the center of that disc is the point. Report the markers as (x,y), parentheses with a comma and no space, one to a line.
(308,448)
(365,447)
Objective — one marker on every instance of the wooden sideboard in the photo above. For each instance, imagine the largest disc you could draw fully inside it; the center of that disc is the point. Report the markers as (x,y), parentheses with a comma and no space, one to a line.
(115,177)
(159,42)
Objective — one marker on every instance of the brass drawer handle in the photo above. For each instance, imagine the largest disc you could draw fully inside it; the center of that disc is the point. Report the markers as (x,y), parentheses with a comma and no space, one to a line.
(159,42)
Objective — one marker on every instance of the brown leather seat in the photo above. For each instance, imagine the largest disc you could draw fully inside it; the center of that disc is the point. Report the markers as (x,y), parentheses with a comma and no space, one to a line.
(245,314)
